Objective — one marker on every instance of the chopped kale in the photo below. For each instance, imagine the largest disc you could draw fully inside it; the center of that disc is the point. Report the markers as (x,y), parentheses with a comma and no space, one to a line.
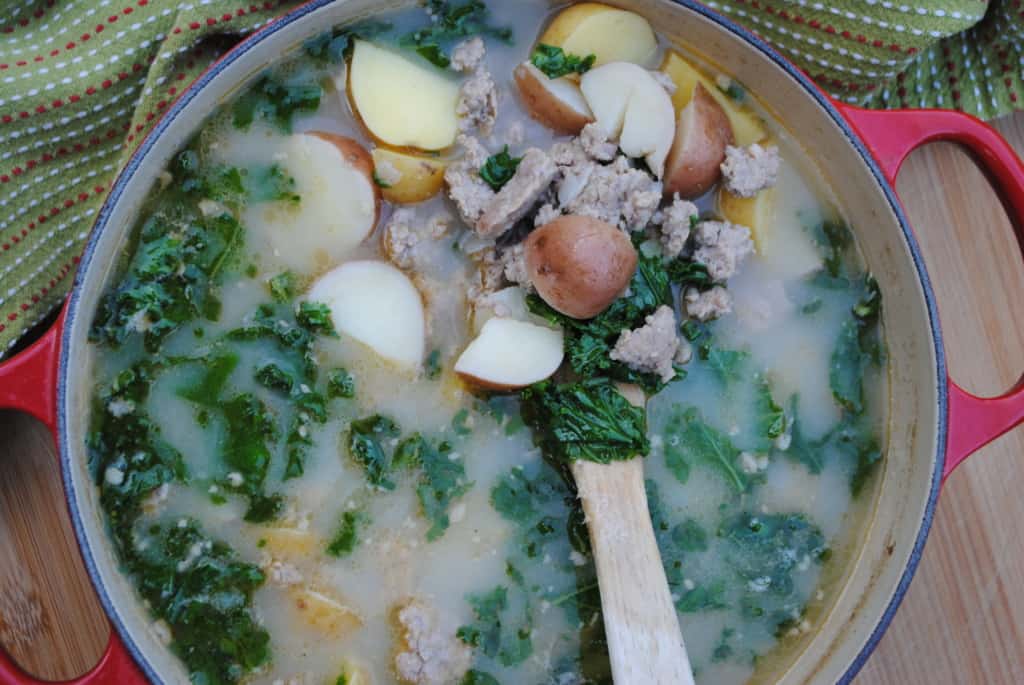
(442,482)
(689,274)
(346,539)
(292,340)
(364,446)
(450,22)
(216,372)
(310,408)
(205,594)
(169,281)
(727,365)
(276,101)
(460,423)
(340,383)
(250,431)
(710,597)
(555,63)
(499,169)
(696,442)
(315,317)
(494,632)
(801,450)
(770,417)
(273,377)
(675,542)
(586,420)
(475,677)
(269,184)
(334,47)
(723,650)
(264,508)
(766,551)
(846,373)
(282,287)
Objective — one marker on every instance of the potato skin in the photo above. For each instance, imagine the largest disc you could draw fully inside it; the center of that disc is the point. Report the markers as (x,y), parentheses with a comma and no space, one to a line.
(422,177)
(544,105)
(357,156)
(579,264)
(702,135)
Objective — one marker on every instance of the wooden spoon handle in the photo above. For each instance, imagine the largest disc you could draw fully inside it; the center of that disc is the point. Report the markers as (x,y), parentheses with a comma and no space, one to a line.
(644,639)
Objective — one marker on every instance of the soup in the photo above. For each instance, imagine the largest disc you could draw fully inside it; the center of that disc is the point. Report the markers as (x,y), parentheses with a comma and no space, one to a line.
(386,296)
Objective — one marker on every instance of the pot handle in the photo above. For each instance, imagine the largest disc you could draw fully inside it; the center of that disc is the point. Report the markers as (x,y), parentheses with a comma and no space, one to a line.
(116,667)
(891,136)
(28,383)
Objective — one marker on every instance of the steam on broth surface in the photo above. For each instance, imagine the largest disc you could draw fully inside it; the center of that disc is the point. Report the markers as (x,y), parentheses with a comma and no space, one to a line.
(311,480)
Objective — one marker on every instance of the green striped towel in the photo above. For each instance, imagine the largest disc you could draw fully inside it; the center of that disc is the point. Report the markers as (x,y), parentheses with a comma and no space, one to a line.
(82,81)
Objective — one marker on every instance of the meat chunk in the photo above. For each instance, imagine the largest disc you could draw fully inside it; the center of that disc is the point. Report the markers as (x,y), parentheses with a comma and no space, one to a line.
(652,348)
(532,179)
(707,305)
(722,247)
(514,259)
(617,194)
(427,654)
(594,142)
(468,56)
(749,170)
(478,103)
(401,237)
(677,222)
(468,191)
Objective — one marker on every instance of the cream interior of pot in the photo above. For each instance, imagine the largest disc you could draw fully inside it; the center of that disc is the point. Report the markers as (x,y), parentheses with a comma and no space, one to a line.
(889,534)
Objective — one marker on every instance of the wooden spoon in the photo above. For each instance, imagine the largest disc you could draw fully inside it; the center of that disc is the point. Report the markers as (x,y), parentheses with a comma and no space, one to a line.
(644,640)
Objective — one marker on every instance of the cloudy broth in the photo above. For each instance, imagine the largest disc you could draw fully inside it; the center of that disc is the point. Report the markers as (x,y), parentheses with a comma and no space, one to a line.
(755,552)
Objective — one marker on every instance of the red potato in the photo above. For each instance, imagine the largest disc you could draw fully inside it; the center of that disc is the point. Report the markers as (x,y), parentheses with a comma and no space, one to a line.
(579,264)
(355,156)
(702,135)
(556,103)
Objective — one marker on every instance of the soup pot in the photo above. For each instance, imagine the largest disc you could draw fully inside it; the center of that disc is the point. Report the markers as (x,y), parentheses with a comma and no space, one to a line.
(934,424)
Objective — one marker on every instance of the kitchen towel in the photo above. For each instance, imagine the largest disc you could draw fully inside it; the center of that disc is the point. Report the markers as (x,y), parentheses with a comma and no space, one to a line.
(82,81)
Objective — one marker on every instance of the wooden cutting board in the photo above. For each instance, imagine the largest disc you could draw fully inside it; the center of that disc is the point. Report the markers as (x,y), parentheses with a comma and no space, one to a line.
(963,620)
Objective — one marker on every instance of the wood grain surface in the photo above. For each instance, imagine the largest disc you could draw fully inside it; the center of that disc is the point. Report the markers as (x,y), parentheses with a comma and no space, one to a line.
(963,619)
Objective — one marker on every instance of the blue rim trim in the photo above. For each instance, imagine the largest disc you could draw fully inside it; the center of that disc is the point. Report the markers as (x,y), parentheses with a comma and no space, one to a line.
(240,51)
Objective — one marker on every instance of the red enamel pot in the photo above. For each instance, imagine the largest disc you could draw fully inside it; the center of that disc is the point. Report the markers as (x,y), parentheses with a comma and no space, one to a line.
(934,424)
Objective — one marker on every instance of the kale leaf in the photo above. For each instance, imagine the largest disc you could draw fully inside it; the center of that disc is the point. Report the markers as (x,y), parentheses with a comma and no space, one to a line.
(277,101)
(292,340)
(282,287)
(442,480)
(273,377)
(586,420)
(205,594)
(696,442)
(169,280)
(494,632)
(334,47)
(770,417)
(346,539)
(364,446)
(315,317)
(340,383)
(216,371)
(499,169)
(450,22)
(251,430)
(555,63)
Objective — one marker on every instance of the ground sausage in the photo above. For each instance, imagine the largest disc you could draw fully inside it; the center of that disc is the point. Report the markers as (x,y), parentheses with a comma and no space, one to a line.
(652,348)
(532,179)
(427,654)
(722,247)
(707,305)
(749,170)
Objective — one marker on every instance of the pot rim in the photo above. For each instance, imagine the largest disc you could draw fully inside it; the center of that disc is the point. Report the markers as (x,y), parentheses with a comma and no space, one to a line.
(240,51)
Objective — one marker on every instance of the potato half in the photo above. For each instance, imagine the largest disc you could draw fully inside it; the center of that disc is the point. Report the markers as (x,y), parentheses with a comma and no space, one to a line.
(579,264)
(556,103)
(419,178)
(703,132)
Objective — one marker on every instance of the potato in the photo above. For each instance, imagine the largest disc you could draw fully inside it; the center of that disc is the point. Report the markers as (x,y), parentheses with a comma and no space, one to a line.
(510,354)
(326,614)
(420,178)
(694,164)
(290,543)
(612,34)
(633,108)
(403,102)
(556,103)
(338,207)
(580,265)
(757,213)
(376,304)
(746,127)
